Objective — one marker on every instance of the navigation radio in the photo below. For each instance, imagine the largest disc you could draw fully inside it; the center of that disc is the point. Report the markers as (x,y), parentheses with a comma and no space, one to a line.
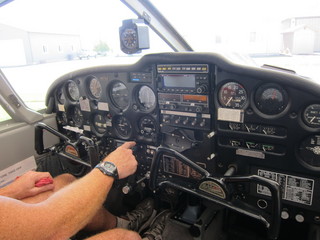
(191,78)
(183,95)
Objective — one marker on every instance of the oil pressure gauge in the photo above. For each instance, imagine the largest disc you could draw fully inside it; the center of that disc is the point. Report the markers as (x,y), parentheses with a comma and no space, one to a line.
(311,115)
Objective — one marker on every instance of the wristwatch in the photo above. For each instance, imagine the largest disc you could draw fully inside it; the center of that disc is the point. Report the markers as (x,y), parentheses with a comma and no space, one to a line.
(109,169)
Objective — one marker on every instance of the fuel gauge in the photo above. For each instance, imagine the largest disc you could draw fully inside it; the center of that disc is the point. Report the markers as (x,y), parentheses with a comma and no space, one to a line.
(311,115)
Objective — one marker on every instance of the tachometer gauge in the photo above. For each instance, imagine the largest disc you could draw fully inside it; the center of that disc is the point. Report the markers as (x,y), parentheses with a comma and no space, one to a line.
(147,126)
(73,90)
(271,99)
(146,98)
(311,115)
(119,95)
(100,123)
(77,116)
(310,150)
(95,87)
(123,127)
(233,95)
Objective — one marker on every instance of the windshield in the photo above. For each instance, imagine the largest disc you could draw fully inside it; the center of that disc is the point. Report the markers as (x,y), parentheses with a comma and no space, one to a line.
(41,40)
(282,33)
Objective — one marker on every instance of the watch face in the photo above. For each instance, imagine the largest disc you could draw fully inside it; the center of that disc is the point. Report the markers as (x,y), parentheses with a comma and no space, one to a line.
(109,169)
(109,166)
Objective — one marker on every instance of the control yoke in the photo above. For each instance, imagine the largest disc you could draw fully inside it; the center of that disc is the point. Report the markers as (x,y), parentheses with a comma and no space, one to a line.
(89,145)
(216,189)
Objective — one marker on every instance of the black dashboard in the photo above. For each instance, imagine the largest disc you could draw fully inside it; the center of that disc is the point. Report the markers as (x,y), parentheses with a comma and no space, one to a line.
(216,113)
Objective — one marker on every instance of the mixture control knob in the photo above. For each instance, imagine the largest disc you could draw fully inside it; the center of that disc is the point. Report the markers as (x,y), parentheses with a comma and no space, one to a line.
(299,218)
(202,89)
(285,214)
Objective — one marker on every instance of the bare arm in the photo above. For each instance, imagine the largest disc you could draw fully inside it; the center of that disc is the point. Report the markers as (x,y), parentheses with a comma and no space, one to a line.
(67,211)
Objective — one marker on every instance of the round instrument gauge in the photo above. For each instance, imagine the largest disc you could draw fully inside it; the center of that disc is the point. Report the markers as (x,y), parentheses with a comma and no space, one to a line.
(123,126)
(119,95)
(146,98)
(271,99)
(77,116)
(60,96)
(310,150)
(233,95)
(129,38)
(99,122)
(147,126)
(73,90)
(95,88)
(311,115)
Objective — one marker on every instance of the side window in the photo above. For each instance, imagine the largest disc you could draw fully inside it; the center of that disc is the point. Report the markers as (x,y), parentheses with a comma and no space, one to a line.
(4,115)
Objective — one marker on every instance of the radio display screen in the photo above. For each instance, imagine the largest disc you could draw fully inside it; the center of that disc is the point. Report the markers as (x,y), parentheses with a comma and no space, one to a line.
(195,98)
(184,81)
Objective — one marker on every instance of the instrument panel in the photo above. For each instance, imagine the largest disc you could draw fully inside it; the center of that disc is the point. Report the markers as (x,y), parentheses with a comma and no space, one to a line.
(215,113)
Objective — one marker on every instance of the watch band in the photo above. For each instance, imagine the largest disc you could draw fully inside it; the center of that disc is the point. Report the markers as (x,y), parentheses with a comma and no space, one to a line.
(108,168)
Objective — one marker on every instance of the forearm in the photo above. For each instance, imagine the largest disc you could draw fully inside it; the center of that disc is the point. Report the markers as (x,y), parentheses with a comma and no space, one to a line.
(61,215)
(7,191)
(76,204)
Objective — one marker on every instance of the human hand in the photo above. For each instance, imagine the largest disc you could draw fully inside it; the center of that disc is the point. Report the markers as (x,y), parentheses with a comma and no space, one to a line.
(124,160)
(31,184)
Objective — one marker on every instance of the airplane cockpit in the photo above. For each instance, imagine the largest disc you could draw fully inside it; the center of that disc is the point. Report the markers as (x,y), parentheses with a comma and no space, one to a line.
(232,149)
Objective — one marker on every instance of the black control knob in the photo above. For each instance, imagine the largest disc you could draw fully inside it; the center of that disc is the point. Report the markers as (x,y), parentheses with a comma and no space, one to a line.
(177,121)
(194,122)
(203,123)
(185,121)
(173,106)
(202,88)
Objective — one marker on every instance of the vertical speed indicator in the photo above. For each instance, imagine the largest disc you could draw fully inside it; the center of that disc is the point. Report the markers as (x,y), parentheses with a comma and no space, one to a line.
(233,95)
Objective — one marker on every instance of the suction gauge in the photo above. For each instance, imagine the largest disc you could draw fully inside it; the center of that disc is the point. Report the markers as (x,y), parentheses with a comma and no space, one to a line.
(233,95)
(311,115)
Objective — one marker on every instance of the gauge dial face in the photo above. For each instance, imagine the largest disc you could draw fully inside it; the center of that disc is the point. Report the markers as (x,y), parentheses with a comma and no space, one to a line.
(73,91)
(129,38)
(100,123)
(146,98)
(123,126)
(233,95)
(95,87)
(119,95)
(147,126)
(271,99)
(77,116)
(310,150)
(311,115)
